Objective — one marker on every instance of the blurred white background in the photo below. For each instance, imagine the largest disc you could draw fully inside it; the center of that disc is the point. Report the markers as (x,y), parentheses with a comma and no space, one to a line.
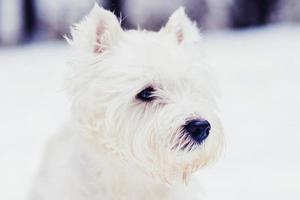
(253,45)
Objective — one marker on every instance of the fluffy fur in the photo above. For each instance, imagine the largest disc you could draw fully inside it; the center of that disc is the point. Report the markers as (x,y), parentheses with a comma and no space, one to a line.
(116,147)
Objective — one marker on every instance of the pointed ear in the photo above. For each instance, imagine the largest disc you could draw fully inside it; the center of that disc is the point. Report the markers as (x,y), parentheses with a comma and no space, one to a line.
(97,32)
(182,27)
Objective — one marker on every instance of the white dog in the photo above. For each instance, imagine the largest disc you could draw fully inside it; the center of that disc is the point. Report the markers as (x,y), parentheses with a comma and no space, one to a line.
(143,114)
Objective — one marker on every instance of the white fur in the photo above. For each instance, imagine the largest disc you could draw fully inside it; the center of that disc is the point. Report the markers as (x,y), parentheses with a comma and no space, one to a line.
(116,147)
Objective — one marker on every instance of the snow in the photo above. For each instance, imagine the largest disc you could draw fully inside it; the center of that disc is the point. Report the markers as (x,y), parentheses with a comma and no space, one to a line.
(259,76)
(258,72)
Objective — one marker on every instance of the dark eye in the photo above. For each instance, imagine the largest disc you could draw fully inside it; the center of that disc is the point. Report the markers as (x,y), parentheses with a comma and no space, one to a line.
(146,94)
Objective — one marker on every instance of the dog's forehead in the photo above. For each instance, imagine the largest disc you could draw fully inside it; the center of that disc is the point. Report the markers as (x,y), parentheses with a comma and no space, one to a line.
(159,52)
(156,58)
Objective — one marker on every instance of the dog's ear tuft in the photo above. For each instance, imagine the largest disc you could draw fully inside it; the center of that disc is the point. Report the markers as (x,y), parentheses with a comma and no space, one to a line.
(182,27)
(97,32)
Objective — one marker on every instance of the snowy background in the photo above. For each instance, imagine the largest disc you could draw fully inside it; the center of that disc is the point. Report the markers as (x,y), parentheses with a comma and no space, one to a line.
(259,73)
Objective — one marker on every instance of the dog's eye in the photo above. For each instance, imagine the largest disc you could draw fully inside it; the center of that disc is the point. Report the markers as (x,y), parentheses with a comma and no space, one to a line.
(146,94)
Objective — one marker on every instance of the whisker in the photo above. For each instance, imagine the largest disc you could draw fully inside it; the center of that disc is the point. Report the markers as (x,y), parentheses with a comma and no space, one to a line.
(183,140)
(191,146)
(185,146)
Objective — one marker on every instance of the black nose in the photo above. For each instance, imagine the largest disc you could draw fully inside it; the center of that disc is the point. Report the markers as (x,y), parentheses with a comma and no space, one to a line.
(198,129)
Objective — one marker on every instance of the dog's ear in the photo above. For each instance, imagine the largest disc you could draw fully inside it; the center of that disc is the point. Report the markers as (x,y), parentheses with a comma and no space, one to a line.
(182,27)
(97,32)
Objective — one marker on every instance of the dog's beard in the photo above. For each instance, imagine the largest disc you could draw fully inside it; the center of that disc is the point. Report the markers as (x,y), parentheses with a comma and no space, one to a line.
(153,140)
(159,159)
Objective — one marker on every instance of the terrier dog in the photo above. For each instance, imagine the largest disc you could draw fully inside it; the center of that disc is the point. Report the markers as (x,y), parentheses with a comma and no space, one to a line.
(143,115)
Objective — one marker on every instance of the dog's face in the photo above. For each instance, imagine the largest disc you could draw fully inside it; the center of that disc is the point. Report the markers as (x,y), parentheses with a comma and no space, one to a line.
(146,96)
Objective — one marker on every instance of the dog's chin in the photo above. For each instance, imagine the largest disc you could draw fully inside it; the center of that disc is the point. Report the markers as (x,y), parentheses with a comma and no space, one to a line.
(180,168)
(179,173)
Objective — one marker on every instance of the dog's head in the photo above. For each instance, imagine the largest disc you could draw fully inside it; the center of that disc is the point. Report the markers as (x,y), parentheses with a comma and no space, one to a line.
(146,96)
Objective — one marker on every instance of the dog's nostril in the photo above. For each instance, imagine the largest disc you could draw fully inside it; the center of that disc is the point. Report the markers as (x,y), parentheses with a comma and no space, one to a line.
(198,129)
